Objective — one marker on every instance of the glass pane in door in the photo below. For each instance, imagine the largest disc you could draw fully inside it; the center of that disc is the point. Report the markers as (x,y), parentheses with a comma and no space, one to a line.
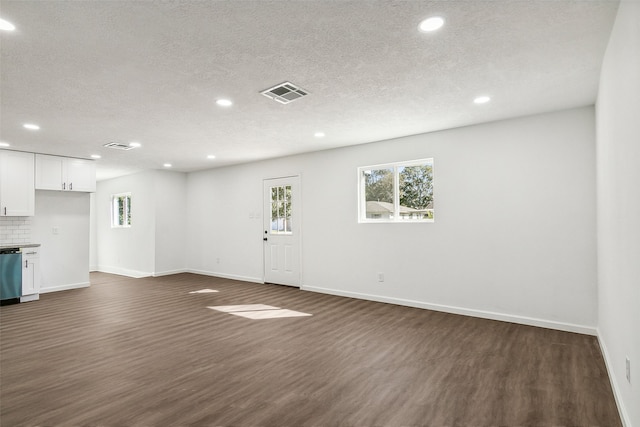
(281,210)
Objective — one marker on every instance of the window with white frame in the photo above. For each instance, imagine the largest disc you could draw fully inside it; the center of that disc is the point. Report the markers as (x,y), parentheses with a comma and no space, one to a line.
(121,210)
(396,192)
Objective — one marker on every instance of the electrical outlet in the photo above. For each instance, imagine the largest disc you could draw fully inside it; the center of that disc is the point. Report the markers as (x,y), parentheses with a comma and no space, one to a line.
(628,369)
(380,277)
(55,230)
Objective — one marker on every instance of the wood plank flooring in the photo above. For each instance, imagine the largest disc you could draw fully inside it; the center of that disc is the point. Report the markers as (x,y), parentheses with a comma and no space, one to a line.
(145,352)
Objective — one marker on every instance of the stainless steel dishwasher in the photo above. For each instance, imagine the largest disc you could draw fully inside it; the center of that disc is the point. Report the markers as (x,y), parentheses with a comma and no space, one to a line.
(10,275)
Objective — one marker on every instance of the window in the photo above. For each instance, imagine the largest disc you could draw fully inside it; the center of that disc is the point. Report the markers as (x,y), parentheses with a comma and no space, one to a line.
(121,210)
(281,210)
(396,192)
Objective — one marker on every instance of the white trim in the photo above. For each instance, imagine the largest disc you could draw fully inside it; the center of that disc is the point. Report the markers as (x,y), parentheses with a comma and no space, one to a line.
(169,272)
(523,320)
(624,416)
(65,287)
(32,297)
(226,276)
(124,272)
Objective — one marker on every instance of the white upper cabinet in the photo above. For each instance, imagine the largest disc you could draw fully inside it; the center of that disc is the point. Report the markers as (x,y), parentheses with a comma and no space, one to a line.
(17,193)
(65,174)
(81,175)
(49,172)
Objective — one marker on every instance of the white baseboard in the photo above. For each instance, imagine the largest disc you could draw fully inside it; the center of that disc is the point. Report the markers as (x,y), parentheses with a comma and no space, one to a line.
(32,297)
(523,320)
(124,272)
(226,276)
(64,287)
(624,417)
(169,272)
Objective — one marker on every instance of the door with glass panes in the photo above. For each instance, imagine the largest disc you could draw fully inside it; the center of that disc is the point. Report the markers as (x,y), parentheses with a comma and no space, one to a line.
(282,231)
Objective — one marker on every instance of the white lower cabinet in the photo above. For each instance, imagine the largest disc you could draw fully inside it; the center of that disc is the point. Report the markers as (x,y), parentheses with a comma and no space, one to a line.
(30,274)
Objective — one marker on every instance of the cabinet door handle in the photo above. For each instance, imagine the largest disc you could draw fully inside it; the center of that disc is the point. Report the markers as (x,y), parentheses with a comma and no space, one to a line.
(71,186)
(64,185)
(26,263)
(5,210)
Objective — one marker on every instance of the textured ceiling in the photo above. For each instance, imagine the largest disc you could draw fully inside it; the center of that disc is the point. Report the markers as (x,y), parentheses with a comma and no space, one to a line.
(94,72)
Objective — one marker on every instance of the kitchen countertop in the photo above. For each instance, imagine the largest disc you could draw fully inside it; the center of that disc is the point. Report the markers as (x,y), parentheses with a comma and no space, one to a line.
(20,245)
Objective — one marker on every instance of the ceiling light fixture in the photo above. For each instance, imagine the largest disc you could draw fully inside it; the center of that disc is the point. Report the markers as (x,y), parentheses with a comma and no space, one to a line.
(167,165)
(31,126)
(134,144)
(4,144)
(481,99)
(96,156)
(431,24)
(211,156)
(224,102)
(319,134)
(6,25)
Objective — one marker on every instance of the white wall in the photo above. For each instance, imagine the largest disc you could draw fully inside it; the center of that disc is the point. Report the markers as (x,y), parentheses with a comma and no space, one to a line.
(64,257)
(129,251)
(514,236)
(170,233)
(618,184)
(220,203)
(154,244)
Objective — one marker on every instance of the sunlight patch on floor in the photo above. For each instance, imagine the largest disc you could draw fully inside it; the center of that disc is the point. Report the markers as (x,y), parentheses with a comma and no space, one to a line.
(203,291)
(246,307)
(258,311)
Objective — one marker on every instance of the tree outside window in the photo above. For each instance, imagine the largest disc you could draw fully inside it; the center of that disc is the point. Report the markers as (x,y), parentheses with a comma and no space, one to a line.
(397,192)
(121,210)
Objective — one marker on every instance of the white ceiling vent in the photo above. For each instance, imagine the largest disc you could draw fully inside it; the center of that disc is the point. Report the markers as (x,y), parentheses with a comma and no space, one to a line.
(118,146)
(285,92)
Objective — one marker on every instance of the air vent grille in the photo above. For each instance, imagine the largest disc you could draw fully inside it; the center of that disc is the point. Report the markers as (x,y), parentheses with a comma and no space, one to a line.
(118,146)
(285,93)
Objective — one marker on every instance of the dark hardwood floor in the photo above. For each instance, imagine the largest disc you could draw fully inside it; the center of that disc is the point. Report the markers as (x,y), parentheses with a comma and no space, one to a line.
(145,352)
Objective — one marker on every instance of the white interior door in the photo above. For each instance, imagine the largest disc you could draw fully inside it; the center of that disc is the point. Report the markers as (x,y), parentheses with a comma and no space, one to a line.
(282,231)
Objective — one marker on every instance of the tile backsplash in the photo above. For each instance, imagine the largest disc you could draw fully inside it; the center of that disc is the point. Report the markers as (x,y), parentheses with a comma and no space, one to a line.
(15,229)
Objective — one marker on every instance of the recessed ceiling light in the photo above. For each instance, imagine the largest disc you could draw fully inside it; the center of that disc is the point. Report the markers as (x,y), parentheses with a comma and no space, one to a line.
(6,25)
(96,156)
(431,24)
(4,144)
(31,126)
(482,99)
(167,165)
(211,156)
(134,144)
(319,134)
(224,102)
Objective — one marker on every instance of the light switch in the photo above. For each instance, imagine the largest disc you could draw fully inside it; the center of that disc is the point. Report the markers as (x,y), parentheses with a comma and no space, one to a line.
(55,230)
